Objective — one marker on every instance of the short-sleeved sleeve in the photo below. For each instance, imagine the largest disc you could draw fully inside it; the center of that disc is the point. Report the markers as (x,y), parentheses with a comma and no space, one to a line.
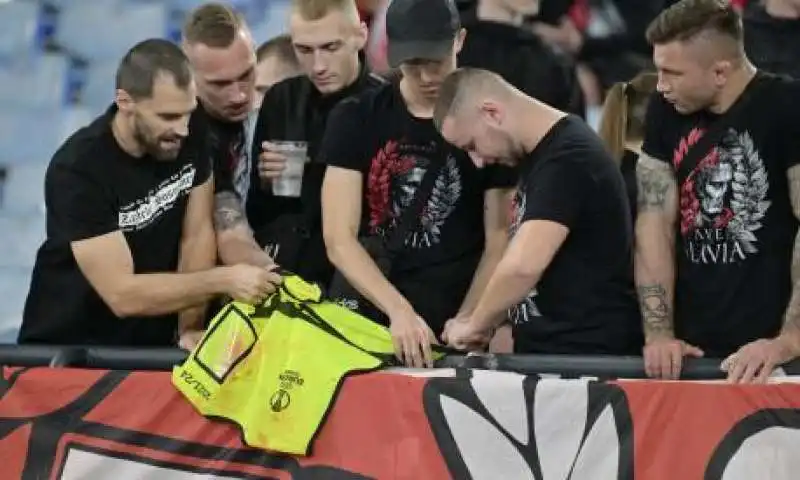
(500,176)
(343,144)
(78,206)
(202,160)
(556,191)
(656,131)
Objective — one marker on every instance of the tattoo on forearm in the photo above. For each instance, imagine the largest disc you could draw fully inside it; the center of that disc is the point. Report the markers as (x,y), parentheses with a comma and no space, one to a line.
(654,180)
(792,319)
(228,211)
(656,311)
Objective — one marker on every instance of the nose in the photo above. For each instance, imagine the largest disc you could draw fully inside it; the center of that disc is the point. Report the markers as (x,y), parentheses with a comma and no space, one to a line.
(320,66)
(241,93)
(661,85)
(181,128)
(477,159)
(427,76)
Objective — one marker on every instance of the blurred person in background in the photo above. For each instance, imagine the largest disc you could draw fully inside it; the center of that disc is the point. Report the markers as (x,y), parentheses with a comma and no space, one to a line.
(606,38)
(275,62)
(717,251)
(383,151)
(498,41)
(566,278)
(773,35)
(130,247)
(220,48)
(622,126)
(327,36)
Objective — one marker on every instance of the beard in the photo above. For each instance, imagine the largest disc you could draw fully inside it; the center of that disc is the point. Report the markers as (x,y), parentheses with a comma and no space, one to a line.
(154,145)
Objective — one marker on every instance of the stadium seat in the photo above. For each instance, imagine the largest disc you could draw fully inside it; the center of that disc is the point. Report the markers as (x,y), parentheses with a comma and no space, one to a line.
(20,238)
(33,135)
(23,193)
(39,82)
(14,283)
(98,31)
(98,91)
(18,28)
(274,22)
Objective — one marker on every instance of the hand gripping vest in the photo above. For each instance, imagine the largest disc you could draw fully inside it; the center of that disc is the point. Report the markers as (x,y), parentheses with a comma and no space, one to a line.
(275,369)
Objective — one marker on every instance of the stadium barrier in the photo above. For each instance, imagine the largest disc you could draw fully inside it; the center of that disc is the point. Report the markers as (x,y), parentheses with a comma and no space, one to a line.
(567,366)
(106,416)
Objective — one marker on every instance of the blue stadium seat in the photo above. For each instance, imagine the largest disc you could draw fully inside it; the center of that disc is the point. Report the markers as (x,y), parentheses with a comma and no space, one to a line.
(20,238)
(105,30)
(39,82)
(275,21)
(23,191)
(18,28)
(14,283)
(98,91)
(33,135)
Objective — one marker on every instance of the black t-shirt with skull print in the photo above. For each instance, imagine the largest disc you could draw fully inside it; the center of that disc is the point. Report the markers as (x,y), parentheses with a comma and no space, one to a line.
(736,228)
(585,301)
(374,133)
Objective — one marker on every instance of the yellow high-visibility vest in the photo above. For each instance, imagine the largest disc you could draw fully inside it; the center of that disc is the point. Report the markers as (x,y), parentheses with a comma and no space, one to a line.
(275,369)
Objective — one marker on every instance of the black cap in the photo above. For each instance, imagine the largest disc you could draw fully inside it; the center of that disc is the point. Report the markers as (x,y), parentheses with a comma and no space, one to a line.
(420,29)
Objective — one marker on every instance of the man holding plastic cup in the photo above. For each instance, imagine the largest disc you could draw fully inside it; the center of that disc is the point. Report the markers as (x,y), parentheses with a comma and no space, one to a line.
(283,202)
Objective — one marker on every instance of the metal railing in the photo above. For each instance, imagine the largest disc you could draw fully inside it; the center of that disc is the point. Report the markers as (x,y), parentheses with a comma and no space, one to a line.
(163,359)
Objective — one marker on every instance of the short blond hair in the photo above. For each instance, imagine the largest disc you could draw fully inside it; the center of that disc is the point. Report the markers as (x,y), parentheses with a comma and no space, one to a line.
(316,9)
(212,24)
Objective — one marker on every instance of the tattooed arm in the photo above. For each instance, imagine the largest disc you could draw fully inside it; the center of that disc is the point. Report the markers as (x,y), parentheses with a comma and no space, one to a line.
(791,324)
(655,244)
(235,239)
(756,361)
(655,267)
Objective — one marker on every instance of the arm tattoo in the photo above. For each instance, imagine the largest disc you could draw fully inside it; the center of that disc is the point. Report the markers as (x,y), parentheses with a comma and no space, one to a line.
(654,180)
(792,319)
(228,211)
(656,312)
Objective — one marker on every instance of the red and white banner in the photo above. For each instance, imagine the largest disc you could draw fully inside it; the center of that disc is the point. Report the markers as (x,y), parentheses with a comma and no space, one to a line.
(79,424)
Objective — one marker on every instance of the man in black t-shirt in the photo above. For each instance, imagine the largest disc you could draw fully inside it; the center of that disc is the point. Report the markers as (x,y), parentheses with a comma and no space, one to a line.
(566,278)
(219,46)
(128,205)
(327,39)
(379,146)
(719,196)
(499,42)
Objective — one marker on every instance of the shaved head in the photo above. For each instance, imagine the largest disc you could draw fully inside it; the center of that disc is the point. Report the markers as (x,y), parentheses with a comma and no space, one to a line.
(463,87)
(477,112)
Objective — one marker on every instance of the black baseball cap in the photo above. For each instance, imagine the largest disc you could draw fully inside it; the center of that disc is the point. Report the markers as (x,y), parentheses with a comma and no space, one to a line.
(420,29)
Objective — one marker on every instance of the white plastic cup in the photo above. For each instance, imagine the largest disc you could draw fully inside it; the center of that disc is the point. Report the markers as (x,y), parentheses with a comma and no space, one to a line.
(290,183)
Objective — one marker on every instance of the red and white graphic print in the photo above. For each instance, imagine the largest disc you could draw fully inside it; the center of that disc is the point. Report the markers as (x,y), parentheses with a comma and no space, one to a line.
(723,200)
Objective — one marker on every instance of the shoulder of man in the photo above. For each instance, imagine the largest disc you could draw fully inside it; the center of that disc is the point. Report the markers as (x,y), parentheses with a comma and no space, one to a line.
(87,148)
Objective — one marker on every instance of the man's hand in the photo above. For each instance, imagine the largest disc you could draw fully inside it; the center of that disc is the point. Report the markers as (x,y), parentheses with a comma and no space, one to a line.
(271,164)
(754,362)
(460,333)
(189,339)
(249,284)
(663,357)
(412,339)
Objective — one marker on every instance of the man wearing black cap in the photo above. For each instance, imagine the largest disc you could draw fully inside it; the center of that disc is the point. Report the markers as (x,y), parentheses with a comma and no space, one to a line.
(410,222)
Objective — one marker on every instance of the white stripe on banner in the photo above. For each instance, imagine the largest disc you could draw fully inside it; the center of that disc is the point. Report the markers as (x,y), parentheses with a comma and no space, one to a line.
(81,465)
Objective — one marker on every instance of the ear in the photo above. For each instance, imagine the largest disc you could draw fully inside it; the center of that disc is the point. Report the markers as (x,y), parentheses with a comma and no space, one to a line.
(722,70)
(492,112)
(125,103)
(362,35)
(459,44)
